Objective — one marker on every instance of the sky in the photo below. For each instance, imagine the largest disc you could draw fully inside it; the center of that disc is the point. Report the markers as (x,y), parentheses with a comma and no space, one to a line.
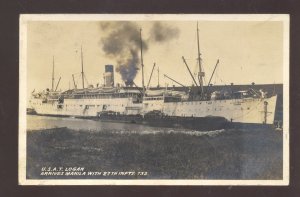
(248,52)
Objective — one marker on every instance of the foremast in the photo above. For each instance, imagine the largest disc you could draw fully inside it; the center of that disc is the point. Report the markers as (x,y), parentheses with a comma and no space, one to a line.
(200,74)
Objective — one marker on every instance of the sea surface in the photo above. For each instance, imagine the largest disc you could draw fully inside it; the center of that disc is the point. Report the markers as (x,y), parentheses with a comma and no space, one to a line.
(164,153)
(37,123)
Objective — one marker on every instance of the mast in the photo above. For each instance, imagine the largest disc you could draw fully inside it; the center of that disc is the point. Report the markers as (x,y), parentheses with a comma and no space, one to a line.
(82,74)
(151,75)
(52,74)
(199,63)
(142,63)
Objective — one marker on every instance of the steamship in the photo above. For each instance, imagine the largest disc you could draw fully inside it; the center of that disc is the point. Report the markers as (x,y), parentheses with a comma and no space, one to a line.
(201,109)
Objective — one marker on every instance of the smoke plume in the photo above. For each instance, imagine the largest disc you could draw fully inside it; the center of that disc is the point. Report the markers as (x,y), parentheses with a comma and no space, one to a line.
(163,32)
(121,42)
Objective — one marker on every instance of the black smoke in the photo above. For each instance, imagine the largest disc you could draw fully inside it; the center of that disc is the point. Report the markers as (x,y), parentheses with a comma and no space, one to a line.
(121,42)
(161,32)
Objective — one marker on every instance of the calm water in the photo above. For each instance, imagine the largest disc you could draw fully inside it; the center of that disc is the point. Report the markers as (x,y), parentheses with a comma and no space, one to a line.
(44,122)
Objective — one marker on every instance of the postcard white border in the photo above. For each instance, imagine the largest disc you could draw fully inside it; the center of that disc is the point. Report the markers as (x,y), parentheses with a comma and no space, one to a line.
(25,18)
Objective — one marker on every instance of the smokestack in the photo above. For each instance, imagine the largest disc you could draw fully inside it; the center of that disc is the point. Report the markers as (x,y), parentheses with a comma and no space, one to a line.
(109,76)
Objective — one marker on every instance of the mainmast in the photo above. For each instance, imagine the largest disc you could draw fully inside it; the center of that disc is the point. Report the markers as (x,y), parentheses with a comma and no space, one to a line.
(200,74)
(52,74)
(82,73)
(142,63)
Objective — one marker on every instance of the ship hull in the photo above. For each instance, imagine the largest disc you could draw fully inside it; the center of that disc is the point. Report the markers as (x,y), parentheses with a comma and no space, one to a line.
(194,123)
(197,123)
(201,115)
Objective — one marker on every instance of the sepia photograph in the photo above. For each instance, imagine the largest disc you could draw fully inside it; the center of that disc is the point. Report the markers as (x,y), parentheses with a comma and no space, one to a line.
(157,99)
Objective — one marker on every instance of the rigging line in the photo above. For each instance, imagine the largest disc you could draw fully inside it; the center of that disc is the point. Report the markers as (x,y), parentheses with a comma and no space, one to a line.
(77,81)
(86,80)
(219,78)
(195,69)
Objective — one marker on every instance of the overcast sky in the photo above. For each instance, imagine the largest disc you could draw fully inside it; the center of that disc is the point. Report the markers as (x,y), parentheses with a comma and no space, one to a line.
(248,52)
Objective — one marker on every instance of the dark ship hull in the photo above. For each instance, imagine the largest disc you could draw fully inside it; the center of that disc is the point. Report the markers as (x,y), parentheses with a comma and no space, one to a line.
(157,119)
